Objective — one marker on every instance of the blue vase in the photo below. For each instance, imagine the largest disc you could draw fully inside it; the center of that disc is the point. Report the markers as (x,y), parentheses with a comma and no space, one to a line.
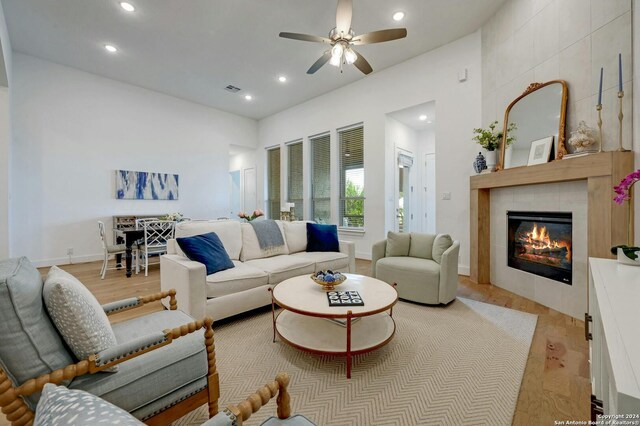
(480,164)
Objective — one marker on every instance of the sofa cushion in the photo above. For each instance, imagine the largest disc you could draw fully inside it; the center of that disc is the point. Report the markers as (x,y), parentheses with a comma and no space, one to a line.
(77,315)
(296,235)
(155,374)
(417,279)
(441,243)
(29,343)
(242,277)
(251,247)
(397,244)
(333,260)
(206,249)
(59,405)
(228,231)
(322,237)
(280,268)
(421,245)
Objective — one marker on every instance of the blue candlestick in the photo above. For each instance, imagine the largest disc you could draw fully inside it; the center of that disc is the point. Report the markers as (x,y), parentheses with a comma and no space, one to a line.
(600,89)
(619,72)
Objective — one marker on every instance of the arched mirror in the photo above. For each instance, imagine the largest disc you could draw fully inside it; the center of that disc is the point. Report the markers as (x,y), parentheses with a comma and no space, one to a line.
(539,113)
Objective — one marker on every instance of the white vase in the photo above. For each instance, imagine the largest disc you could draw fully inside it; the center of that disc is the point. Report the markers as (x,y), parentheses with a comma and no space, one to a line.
(508,153)
(490,156)
(622,258)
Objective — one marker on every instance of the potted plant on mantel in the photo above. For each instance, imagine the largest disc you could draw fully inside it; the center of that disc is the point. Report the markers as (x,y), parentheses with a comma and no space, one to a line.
(490,139)
(627,253)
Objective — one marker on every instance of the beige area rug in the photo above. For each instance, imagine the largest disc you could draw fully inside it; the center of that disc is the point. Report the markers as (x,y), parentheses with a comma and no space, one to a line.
(455,365)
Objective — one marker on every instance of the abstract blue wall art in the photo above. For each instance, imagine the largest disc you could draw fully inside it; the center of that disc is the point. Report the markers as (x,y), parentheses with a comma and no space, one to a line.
(146,186)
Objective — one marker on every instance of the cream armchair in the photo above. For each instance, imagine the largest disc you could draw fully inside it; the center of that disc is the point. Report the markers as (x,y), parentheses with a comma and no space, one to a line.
(424,266)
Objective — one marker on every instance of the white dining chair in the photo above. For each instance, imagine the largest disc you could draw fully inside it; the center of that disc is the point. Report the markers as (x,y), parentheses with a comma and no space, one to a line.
(111,250)
(156,235)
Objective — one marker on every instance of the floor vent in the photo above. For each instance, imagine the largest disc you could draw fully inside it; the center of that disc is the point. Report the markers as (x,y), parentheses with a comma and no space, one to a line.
(233,89)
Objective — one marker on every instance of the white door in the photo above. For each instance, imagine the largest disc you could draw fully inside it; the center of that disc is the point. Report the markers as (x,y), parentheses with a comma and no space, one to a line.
(429,194)
(234,193)
(249,190)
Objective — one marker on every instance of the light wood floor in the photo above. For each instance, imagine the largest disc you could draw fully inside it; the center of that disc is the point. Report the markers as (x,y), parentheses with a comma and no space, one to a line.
(556,380)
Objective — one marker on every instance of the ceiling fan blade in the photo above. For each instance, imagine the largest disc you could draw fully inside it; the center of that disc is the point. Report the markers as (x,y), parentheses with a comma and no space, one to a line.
(343,16)
(362,64)
(320,62)
(305,37)
(380,36)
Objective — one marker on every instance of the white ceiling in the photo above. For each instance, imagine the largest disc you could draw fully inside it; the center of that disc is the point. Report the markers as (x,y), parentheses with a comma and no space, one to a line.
(411,116)
(193,49)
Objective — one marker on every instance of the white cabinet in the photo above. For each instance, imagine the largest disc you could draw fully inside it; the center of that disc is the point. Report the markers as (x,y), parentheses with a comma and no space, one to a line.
(614,327)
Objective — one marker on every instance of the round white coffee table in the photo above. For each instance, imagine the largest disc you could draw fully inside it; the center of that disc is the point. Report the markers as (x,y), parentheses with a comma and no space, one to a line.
(308,323)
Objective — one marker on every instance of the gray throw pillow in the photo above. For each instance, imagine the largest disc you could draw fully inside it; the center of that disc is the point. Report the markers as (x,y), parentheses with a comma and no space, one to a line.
(397,244)
(440,245)
(77,315)
(61,406)
(421,245)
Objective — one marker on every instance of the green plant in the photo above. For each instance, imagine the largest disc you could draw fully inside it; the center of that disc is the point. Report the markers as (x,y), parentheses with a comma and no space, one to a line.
(490,140)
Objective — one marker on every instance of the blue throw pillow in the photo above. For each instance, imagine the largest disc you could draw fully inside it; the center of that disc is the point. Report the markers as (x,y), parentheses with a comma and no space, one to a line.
(207,249)
(322,237)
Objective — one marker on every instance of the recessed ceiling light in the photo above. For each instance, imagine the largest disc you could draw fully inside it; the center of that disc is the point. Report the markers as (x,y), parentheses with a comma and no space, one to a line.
(127,6)
(422,117)
(248,97)
(282,79)
(110,48)
(398,16)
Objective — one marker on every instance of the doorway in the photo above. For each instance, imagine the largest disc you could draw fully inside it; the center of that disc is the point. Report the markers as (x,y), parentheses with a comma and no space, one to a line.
(404,193)
(234,193)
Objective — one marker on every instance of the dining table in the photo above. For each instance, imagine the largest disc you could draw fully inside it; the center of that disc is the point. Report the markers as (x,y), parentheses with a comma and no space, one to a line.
(131,236)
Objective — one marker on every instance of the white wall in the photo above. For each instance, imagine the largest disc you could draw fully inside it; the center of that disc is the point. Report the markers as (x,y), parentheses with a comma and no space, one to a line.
(536,41)
(5,137)
(72,130)
(636,109)
(428,77)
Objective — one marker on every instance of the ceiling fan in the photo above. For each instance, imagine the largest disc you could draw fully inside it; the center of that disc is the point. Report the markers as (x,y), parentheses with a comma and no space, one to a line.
(342,39)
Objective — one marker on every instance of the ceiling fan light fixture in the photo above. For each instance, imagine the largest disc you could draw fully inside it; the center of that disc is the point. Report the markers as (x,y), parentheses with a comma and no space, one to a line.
(335,60)
(337,50)
(350,56)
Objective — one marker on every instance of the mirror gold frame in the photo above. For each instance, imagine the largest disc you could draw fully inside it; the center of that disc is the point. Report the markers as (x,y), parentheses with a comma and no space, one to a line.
(562,150)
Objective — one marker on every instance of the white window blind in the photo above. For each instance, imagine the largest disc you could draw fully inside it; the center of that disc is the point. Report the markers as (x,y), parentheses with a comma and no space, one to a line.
(295,177)
(321,178)
(273,184)
(351,208)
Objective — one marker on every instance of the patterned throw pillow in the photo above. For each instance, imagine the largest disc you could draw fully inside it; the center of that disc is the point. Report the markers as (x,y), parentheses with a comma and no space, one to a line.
(77,315)
(61,406)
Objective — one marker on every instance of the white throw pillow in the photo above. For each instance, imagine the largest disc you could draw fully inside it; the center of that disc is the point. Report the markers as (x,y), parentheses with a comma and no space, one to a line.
(251,247)
(295,233)
(77,315)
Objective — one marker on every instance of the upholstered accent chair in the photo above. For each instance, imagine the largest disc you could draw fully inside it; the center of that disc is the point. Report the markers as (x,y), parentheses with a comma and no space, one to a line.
(165,360)
(424,267)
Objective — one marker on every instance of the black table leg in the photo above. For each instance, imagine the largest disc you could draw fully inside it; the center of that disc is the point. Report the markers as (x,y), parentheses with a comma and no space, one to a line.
(127,257)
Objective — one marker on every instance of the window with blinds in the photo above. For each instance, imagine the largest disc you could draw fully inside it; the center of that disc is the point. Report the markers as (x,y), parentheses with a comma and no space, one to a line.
(273,183)
(351,207)
(321,178)
(294,184)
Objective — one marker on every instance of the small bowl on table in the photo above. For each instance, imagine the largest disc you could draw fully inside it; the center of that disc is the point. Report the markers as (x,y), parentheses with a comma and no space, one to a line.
(328,279)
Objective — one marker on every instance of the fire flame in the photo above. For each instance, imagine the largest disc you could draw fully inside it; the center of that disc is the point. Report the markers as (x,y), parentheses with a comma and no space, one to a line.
(539,239)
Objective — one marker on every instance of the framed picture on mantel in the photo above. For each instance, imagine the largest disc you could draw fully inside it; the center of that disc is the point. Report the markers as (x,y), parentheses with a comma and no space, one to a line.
(540,151)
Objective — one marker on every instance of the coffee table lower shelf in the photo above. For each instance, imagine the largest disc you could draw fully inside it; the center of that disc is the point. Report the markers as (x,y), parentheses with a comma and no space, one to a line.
(320,336)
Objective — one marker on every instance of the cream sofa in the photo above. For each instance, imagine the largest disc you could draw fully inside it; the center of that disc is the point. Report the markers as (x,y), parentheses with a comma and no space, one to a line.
(244,287)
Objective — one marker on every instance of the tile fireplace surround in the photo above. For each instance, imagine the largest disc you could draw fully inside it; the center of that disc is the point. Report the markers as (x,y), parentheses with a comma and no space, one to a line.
(582,186)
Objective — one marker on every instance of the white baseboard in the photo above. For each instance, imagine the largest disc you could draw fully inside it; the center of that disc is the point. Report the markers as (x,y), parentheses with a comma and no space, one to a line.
(363,255)
(67,260)
(464,270)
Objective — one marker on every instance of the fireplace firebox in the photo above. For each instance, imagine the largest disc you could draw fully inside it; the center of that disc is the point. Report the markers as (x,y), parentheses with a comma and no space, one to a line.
(540,243)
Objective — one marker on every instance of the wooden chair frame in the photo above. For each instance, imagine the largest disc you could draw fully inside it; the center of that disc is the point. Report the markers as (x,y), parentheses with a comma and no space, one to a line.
(19,414)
